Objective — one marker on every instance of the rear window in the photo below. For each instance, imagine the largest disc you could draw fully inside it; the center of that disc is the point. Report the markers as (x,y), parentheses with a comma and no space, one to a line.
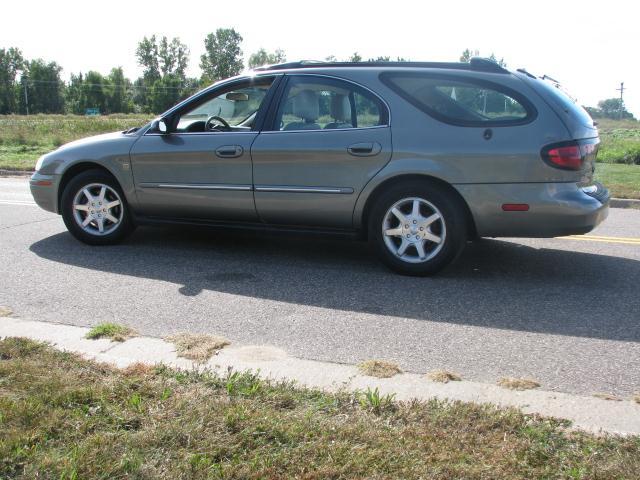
(461,101)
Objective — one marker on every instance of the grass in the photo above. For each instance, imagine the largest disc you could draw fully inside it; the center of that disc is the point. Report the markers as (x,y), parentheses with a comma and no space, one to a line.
(5,311)
(518,383)
(24,138)
(623,181)
(198,347)
(379,368)
(112,331)
(443,376)
(67,418)
(619,141)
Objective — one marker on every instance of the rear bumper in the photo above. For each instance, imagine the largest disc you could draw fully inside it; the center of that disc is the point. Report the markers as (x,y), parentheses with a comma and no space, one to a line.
(44,190)
(555,209)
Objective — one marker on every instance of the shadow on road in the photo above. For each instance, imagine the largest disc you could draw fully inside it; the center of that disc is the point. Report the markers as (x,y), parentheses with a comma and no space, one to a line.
(494,284)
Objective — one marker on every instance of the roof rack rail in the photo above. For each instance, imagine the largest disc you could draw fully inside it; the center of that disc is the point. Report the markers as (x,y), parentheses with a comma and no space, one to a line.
(476,64)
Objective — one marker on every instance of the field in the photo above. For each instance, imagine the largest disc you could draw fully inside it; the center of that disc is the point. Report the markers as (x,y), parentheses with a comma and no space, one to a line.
(68,418)
(24,138)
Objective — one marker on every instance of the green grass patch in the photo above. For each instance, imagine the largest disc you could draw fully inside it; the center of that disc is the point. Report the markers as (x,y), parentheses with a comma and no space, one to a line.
(623,181)
(23,138)
(619,141)
(65,417)
(112,331)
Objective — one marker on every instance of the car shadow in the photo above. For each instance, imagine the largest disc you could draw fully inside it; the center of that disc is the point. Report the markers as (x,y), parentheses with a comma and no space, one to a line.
(495,283)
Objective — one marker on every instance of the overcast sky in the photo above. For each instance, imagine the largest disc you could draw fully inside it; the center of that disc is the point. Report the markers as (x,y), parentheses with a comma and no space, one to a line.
(589,47)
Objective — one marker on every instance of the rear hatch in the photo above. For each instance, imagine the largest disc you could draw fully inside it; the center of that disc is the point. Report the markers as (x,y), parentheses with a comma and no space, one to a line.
(582,129)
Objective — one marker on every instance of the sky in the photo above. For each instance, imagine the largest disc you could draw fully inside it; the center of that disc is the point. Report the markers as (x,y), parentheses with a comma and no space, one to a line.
(589,47)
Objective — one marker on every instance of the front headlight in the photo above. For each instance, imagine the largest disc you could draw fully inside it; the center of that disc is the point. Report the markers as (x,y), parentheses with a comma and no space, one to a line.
(39,163)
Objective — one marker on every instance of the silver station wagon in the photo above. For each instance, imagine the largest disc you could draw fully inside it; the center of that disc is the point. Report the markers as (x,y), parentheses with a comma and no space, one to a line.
(416,158)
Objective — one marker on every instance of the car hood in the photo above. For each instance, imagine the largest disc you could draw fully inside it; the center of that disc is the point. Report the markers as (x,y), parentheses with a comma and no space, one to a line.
(97,139)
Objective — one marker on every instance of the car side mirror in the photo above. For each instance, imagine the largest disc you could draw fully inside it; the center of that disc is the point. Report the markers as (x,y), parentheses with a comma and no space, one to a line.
(160,125)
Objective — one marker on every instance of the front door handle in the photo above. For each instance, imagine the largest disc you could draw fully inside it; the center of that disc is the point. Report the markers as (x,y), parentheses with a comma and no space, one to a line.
(229,151)
(365,149)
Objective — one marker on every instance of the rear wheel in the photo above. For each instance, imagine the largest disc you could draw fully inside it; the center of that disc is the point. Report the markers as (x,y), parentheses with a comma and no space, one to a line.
(417,228)
(94,209)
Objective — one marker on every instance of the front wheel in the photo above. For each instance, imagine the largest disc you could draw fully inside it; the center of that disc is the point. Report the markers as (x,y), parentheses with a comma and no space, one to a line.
(417,228)
(94,209)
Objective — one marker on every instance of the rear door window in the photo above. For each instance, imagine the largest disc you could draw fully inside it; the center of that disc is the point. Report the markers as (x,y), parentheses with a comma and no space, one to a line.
(461,101)
(322,103)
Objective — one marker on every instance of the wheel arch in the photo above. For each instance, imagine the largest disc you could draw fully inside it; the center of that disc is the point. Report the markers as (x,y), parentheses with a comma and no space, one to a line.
(76,169)
(395,180)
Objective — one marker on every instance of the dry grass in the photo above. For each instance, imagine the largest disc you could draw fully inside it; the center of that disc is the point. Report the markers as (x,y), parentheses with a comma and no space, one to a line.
(443,376)
(636,397)
(379,368)
(197,346)
(518,383)
(112,331)
(607,396)
(64,417)
(5,311)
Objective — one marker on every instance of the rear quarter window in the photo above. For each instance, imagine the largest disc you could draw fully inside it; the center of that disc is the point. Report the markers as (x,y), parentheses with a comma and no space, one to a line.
(461,101)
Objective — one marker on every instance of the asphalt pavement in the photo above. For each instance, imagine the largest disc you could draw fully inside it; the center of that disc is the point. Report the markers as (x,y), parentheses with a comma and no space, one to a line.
(565,312)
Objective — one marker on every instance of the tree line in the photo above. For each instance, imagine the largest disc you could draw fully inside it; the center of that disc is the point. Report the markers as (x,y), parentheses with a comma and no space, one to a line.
(36,86)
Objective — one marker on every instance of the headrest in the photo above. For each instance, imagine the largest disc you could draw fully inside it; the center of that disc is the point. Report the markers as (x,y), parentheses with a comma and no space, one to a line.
(305,105)
(341,108)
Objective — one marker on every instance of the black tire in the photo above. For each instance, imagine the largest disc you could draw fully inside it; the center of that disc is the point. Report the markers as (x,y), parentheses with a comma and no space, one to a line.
(453,217)
(77,183)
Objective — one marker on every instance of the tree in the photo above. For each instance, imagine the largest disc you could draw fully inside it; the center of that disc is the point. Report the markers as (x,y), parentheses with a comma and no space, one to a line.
(45,87)
(164,65)
(118,97)
(468,54)
(613,108)
(355,57)
(147,55)
(262,57)
(173,57)
(223,56)
(165,92)
(10,62)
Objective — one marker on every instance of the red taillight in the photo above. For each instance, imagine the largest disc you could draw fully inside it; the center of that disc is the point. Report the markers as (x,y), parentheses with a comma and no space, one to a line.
(569,157)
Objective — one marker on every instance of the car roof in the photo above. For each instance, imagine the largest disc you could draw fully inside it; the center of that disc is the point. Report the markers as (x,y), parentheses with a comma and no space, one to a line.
(476,64)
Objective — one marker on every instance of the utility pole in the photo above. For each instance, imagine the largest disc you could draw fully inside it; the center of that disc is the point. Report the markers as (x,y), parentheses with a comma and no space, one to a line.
(26,95)
(621,90)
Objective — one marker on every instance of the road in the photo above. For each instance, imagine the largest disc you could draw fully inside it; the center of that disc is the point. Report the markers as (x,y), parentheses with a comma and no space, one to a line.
(565,312)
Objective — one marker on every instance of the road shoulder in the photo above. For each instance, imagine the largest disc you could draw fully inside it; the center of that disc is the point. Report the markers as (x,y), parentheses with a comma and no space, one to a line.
(586,413)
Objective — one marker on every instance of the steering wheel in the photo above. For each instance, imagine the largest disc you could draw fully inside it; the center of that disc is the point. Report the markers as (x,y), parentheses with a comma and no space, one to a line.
(210,126)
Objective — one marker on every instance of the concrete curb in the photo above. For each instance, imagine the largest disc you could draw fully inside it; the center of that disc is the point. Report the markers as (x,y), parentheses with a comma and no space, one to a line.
(624,203)
(587,413)
(15,173)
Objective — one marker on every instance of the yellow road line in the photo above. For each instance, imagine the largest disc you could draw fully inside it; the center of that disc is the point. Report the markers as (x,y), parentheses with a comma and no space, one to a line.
(602,239)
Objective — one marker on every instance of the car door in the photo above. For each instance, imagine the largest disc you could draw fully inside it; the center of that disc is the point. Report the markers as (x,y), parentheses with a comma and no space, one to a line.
(325,141)
(201,168)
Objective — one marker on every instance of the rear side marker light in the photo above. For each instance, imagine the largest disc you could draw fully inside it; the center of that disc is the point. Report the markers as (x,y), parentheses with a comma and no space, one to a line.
(43,183)
(515,207)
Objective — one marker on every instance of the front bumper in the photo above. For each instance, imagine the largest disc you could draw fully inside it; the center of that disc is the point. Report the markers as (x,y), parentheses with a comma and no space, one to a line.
(555,209)
(44,189)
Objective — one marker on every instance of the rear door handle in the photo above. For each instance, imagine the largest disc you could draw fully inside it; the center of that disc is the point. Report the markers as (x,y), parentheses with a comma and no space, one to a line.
(229,151)
(365,149)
